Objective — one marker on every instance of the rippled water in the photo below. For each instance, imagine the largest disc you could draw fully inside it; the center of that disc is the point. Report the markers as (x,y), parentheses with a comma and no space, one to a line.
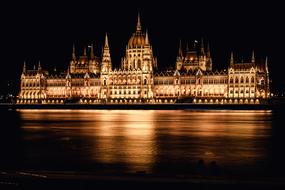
(160,141)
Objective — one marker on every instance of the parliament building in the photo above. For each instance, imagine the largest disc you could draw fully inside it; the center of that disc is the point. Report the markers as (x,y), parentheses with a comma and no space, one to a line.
(93,80)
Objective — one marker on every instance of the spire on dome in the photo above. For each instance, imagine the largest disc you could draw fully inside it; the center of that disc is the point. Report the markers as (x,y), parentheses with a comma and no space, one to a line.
(139,27)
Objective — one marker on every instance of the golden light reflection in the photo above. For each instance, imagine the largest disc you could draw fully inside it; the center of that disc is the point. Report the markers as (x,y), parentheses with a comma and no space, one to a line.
(141,139)
(126,137)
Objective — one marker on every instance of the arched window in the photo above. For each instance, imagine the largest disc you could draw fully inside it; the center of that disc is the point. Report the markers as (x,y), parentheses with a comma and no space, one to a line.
(241,80)
(247,80)
(105,82)
(144,81)
(199,81)
(252,79)
(236,80)
(262,82)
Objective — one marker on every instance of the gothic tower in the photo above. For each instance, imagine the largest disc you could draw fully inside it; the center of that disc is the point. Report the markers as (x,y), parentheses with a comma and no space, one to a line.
(139,53)
(106,59)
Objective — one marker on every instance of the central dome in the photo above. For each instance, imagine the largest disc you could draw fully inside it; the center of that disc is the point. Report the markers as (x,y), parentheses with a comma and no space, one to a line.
(137,40)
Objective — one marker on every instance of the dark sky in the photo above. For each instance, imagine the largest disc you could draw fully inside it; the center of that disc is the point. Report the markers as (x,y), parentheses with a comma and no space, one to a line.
(46,30)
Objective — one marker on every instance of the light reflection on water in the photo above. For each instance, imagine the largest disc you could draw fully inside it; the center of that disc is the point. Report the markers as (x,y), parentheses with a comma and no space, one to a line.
(133,140)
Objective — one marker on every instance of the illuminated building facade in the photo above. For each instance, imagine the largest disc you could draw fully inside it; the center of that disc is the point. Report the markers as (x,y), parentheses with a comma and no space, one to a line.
(90,79)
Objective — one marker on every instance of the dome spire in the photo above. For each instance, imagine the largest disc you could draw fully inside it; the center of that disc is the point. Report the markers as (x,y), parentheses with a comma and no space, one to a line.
(139,27)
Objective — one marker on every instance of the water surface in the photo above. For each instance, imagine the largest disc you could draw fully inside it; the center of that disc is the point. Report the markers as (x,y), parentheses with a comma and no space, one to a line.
(154,141)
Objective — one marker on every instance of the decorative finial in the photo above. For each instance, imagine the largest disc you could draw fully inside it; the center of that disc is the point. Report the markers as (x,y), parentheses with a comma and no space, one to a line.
(24,67)
(180,54)
(252,57)
(232,58)
(73,52)
(39,66)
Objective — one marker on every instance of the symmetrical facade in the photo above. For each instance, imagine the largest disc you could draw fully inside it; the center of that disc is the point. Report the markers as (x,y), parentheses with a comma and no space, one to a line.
(90,79)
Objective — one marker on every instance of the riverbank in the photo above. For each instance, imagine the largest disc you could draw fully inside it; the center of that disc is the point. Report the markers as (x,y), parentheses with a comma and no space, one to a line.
(77,180)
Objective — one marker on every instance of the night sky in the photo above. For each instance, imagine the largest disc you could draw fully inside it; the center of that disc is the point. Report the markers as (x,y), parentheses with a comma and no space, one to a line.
(45,31)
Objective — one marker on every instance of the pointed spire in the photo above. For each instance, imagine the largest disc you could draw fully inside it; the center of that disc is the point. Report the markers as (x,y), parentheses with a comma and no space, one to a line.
(139,27)
(92,56)
(232,58)
(252,57)
(266,64)
(24,67)
(39,66)
(180,54)
(73,52)
(202,47)
(106,58)
(208,50)
(187,47)
(106,41)
(84,53)
(146,38)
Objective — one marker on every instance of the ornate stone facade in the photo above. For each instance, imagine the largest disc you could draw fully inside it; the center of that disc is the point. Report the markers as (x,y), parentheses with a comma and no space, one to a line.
(90,79)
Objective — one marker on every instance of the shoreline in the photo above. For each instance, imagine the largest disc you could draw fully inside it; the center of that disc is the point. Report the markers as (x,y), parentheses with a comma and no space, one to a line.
(73,180)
